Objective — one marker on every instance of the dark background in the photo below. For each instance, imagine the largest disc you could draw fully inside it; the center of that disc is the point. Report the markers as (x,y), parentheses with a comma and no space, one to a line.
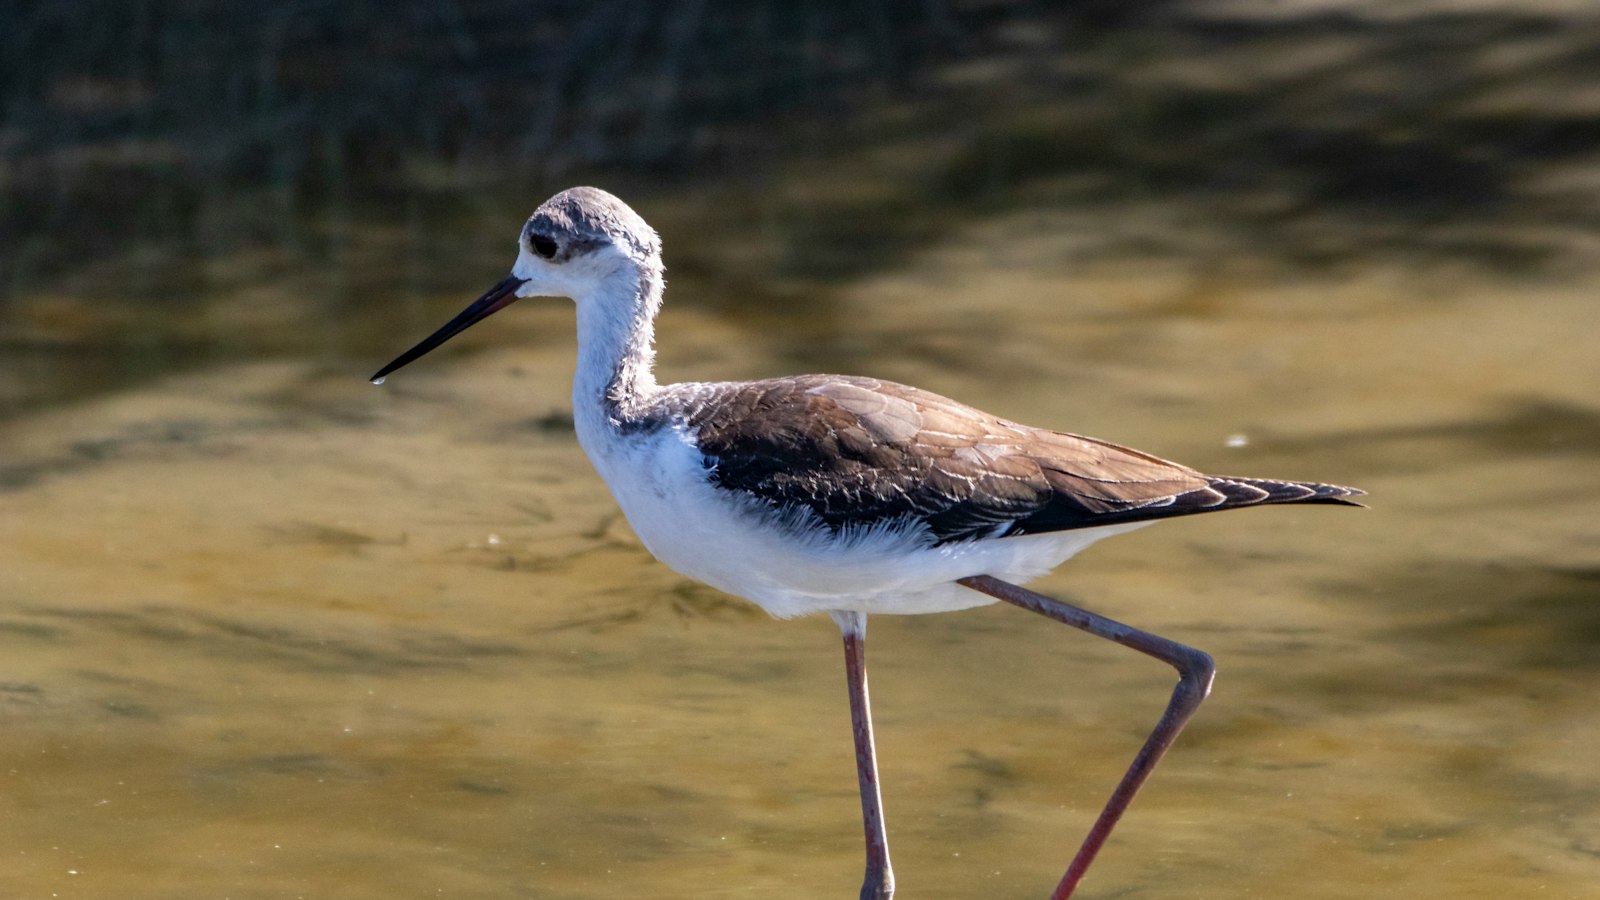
(159,156)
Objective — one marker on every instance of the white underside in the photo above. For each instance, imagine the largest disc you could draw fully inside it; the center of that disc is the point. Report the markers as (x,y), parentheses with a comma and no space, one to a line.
(744,548)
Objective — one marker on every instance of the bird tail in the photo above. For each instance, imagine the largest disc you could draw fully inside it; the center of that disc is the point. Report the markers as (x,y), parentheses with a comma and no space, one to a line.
(1260,491)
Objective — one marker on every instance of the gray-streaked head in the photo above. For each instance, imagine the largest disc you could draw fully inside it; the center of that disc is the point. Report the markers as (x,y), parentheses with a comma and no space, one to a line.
(581,220)
(576,244)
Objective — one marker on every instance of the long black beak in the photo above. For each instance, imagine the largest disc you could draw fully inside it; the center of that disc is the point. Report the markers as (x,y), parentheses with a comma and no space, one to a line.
(497,298)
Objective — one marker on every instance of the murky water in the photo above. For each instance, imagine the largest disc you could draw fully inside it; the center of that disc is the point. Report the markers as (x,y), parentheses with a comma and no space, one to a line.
(268,631)
(273,632)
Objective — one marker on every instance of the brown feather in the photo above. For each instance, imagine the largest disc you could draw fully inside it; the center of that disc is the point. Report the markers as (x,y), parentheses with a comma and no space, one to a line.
(861,452)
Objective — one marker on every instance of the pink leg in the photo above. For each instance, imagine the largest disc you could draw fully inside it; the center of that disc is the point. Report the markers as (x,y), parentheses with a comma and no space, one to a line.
(1195,672)
(879,882)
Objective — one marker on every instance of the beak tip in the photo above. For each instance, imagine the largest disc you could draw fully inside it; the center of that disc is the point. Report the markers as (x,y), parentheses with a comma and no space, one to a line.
(497,297)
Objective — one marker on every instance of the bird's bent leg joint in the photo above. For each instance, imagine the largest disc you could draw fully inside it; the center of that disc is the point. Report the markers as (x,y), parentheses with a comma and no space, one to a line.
(1195,673)
(1195,667)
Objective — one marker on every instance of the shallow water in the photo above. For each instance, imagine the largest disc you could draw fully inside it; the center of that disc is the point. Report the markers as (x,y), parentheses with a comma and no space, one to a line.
(270,631)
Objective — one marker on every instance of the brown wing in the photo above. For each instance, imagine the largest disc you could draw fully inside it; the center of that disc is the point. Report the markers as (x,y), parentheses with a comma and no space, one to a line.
(860,452)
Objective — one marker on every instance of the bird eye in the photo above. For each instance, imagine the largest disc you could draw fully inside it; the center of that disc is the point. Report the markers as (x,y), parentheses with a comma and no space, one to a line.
(542,245)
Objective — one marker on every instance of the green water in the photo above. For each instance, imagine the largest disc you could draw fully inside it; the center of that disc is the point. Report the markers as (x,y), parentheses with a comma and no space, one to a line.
(269,631)
(269,628)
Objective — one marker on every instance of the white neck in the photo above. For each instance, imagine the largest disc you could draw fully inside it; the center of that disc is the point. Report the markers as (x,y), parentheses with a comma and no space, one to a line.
(616,353)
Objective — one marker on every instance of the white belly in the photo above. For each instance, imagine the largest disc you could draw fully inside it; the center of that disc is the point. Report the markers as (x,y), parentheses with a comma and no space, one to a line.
(744,548)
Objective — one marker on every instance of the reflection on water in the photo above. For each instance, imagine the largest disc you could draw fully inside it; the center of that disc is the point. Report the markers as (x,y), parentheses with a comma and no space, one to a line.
(272,632)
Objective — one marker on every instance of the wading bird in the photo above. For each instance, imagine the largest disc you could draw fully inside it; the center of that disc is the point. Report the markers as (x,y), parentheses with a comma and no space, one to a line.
(845,495)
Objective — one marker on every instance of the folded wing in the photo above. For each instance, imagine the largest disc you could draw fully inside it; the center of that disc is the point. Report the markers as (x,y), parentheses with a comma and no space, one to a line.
(859,452)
